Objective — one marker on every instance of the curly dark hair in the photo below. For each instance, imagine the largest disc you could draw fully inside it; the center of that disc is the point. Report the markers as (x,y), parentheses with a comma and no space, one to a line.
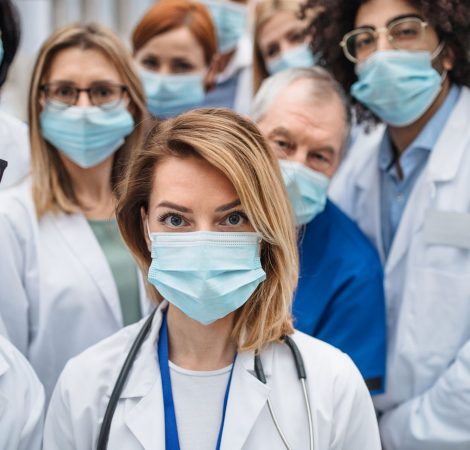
(10,29)
(450,18)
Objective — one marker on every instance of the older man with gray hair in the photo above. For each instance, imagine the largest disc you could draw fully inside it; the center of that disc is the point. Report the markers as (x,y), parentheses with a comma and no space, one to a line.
(304,115)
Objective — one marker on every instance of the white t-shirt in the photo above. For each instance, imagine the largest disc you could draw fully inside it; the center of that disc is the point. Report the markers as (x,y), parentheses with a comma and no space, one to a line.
(199,399)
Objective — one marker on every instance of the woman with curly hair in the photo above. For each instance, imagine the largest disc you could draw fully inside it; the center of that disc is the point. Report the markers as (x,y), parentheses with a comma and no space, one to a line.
(407,64)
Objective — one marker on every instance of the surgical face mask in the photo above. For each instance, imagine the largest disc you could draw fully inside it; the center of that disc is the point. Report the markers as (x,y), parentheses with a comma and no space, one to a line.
(207,275)
(307,190)
(170,95)
(298,57)
(86,135)
(398,86)
(230,21)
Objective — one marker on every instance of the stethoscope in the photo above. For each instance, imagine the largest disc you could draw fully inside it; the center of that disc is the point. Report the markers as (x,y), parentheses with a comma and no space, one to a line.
(259,371)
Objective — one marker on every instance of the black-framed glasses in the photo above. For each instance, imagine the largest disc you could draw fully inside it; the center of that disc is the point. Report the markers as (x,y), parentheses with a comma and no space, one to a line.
(403,34)
(3,166)
(103,95)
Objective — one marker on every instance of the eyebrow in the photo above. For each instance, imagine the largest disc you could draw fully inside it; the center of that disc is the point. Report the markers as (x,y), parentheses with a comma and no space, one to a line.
(280,130)
(179,208)
(228,206)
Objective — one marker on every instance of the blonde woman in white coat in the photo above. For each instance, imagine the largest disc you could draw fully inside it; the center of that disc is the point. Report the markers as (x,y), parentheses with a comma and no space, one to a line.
(205,212)
(78,282)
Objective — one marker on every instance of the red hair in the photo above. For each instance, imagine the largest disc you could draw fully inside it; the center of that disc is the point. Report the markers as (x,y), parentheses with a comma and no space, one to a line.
(166,15)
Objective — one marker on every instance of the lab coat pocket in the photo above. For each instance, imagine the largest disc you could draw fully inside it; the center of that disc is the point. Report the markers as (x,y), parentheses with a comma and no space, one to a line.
(447,228)
(439,322)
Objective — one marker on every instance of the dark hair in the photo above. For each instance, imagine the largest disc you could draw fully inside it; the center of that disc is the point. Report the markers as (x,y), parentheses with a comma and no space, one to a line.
(10,28)
(450,19)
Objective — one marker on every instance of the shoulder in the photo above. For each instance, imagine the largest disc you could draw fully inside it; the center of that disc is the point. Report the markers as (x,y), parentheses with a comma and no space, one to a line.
(16,374)
(334,372)
(11,126)
(356,249)
(100,362)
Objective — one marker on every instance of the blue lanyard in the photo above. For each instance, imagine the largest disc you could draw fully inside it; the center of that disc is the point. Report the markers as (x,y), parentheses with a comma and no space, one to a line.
(171,428)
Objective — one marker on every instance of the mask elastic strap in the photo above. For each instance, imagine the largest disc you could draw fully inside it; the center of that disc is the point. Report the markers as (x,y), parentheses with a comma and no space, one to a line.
(438,50)
(149,234)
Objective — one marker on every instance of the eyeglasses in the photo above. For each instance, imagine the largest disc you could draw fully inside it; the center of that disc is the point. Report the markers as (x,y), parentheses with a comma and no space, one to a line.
(403,34)
(103,95)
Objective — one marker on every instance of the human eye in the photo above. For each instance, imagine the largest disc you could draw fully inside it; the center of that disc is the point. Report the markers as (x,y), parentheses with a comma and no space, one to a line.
(235,219)
(103,92)
(172,220)
(272,51)
(63,91)
(364,41)
(296,37)
(282,145)
(151,63)
(182,66)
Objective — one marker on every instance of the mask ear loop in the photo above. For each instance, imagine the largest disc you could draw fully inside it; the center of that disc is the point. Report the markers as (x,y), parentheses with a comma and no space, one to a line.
(435,54)
(149,234)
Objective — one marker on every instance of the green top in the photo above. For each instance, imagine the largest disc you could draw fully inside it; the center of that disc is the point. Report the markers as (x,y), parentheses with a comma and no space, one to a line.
(123,268)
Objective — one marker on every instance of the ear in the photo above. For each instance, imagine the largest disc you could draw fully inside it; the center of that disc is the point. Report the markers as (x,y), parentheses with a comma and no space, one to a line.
(210,78)
(145,228)
(448,59)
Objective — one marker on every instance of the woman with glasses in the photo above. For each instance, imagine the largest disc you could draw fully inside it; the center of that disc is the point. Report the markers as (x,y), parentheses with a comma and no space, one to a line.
(175,47)
(79,282)
(407,65)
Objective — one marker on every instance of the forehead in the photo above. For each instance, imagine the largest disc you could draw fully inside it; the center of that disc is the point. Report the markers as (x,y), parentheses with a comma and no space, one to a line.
(79,65)
(177,42)
(379,12)
(191,179)
(307,119)
(278,25)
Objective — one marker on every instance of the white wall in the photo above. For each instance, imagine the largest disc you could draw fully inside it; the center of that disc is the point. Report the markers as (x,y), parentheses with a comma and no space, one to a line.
(39,18)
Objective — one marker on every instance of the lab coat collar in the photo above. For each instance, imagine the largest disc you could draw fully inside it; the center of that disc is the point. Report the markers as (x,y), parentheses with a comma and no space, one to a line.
(4,366)
(82,242)
(241,59)
(453,142)
(246,399)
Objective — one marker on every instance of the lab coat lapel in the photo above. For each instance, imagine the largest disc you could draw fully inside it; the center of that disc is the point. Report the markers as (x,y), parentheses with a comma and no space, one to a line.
(443,166)
(83,244)
(146,419)
(247,399)
(368,204)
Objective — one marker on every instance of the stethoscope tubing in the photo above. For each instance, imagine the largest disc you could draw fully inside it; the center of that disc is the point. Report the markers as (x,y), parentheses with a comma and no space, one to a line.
(103,437)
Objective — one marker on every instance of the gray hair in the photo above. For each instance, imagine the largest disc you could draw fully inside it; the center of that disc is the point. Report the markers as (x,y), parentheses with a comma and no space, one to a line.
(323,87)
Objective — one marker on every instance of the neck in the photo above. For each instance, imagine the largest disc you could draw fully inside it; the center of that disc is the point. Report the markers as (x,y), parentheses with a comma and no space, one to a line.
(195,346)
(92,188)
(402,137)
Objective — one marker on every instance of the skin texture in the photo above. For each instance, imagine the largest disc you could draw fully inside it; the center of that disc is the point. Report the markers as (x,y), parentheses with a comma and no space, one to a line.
(281,33)
(305,131)
(449,18)
(83,68)
(193,184)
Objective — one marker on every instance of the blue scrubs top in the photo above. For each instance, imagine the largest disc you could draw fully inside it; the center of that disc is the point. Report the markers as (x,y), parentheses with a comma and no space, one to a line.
(340,296)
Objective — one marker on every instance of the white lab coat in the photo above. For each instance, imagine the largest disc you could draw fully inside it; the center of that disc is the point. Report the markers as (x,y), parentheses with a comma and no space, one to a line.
(59,295)
(14,148)
(21,401)
(343,414)
(426,405)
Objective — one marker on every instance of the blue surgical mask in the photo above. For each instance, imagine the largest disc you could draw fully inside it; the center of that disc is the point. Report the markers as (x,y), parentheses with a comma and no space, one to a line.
(299,57)
(207,275)
(307,190)
(170,95)
(86,135)
(230,20)
(398,86)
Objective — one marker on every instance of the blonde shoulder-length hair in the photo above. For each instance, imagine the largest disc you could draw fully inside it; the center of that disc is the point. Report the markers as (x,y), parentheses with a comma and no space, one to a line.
(265,10)
(235,146)
(51,184)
